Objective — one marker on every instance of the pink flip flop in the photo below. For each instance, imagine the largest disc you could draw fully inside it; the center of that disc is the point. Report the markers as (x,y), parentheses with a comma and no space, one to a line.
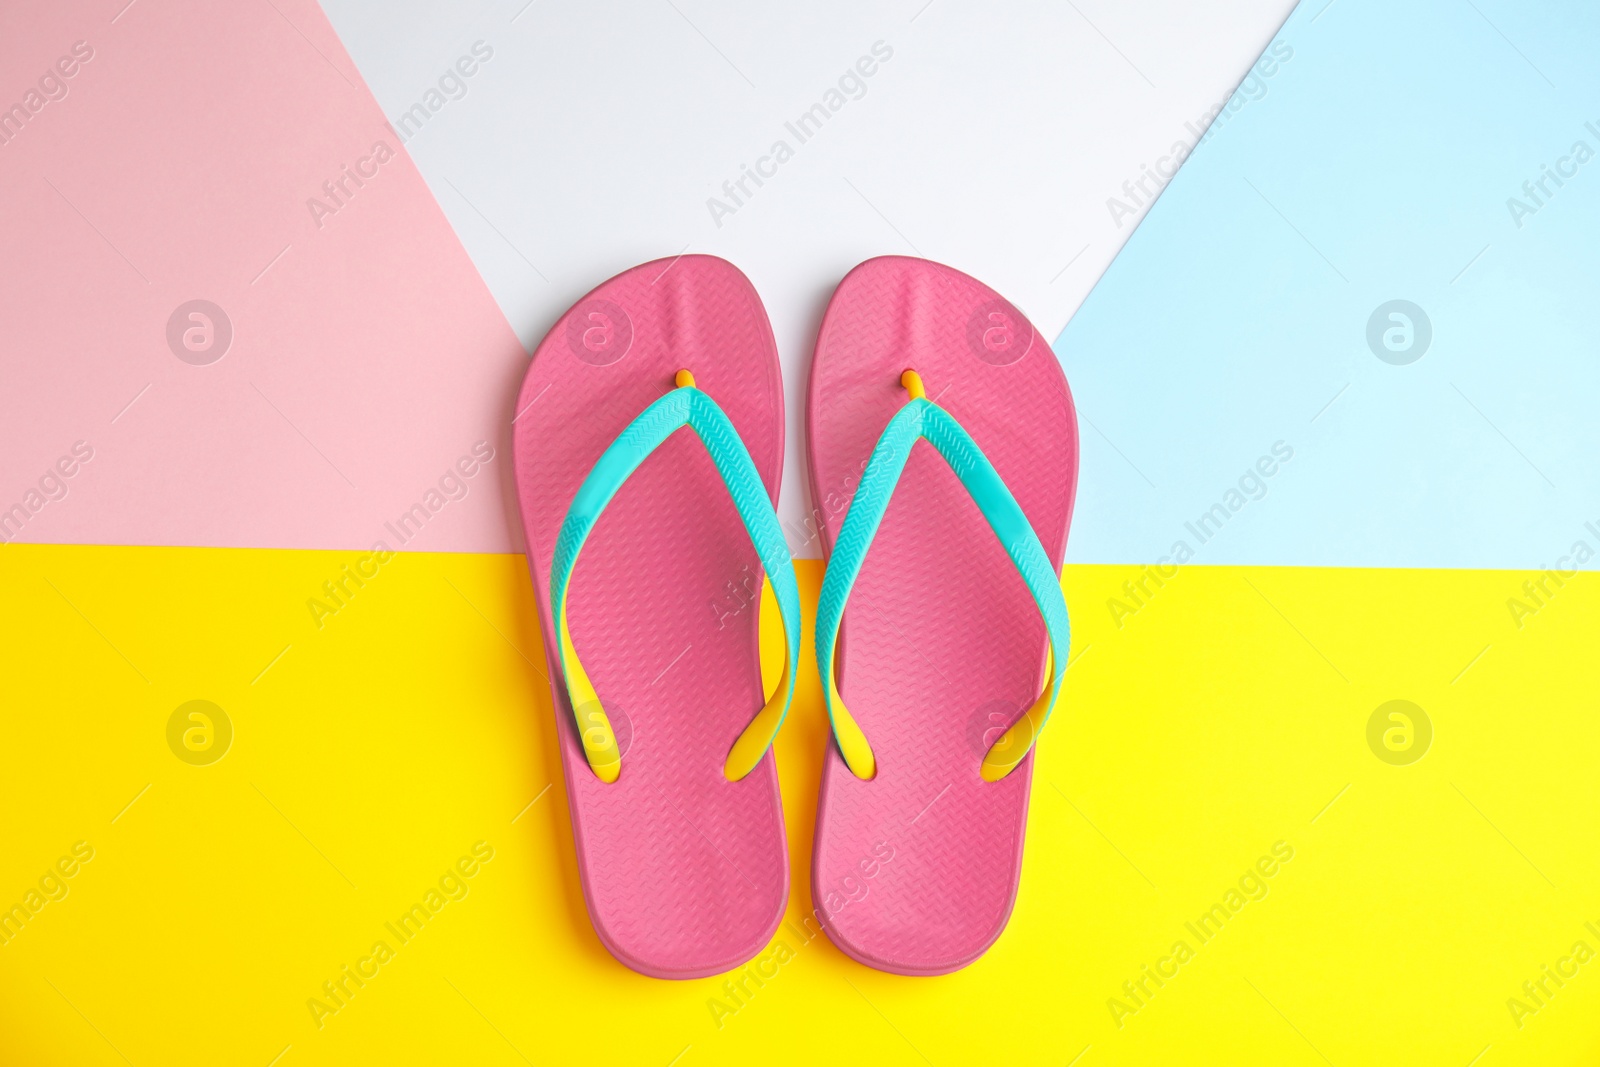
(648,443)
(945,418)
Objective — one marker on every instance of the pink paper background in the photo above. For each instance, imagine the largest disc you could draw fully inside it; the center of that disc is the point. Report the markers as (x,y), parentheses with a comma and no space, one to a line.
(366,359)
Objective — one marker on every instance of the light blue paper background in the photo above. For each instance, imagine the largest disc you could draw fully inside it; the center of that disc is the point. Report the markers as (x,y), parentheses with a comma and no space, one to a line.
(1376,166)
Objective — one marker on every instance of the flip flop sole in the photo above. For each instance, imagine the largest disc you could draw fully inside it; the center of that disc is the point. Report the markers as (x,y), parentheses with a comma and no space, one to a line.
(685,874)
(942,647)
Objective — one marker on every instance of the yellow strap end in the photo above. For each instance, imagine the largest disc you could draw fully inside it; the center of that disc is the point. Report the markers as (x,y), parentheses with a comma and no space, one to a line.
(852,742)
(1004,755)
(594,728)
(853,746)
(756,738)
(599,741)
(606,772)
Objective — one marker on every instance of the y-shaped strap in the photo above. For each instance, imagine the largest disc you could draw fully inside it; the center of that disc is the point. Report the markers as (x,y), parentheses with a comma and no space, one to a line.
(922,418)
(684,406)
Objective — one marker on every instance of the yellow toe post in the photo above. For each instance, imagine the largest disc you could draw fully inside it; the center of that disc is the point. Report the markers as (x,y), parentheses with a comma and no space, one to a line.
(684,379)
(913,383)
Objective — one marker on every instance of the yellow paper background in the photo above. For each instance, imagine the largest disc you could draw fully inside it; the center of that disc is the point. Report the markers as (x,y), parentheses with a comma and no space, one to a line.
(1229,713)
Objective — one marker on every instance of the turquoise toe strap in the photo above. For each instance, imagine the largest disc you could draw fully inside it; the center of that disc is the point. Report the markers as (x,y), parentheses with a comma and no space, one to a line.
(922,419)
(684,406)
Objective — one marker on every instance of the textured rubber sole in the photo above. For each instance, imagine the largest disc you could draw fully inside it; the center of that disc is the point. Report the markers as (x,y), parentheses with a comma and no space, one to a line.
(942,647)
(685,873)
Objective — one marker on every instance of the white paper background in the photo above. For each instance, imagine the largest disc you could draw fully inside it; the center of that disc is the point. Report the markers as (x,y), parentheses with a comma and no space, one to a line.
(592,137)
